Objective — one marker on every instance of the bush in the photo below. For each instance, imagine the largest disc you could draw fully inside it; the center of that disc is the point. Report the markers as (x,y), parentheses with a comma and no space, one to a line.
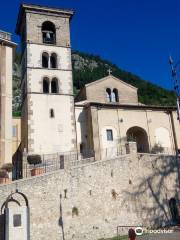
(75,211)
(34,159)
(3,173)
(114,194)
(157,149)
(8,167)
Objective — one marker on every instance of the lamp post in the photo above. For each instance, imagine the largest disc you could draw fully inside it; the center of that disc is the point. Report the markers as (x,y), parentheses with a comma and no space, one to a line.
(174,68)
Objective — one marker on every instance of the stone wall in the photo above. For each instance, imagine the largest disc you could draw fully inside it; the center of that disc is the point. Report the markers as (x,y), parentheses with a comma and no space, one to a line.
(98,197)
(96,91)
(34,23)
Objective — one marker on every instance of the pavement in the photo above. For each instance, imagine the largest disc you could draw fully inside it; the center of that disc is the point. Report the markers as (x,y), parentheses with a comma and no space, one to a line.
(162,236)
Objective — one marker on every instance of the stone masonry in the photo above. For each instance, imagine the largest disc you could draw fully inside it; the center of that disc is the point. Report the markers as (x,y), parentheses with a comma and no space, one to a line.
(133,189)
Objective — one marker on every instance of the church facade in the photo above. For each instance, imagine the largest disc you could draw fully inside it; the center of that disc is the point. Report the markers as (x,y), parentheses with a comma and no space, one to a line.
(110,110)
(105,115)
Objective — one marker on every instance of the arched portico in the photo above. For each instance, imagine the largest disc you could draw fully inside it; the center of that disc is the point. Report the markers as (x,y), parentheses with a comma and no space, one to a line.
(138,135)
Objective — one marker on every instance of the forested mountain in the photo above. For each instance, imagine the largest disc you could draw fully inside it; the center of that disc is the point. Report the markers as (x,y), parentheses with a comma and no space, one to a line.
(88,68)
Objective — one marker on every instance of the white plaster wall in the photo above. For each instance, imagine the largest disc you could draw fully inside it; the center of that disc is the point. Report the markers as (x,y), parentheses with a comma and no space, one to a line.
(83,130)
(122,120)
(36,79)
(80,119)
(16,140)
(150,121)
(16,233)
(35,52)
(63,73)
(162,137)
(51,134)
(109,148)
(8,106)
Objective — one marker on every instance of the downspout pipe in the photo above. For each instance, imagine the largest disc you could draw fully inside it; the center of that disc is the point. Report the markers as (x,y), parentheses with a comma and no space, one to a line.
(174,132)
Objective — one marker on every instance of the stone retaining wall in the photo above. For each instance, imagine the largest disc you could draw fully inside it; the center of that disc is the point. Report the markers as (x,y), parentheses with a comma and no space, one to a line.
(98,197)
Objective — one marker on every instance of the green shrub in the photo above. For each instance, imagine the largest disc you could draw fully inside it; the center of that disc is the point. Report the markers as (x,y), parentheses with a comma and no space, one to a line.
(3,173)
(157,149)
(34,159)
(114,194)
(8,167)
(75,211)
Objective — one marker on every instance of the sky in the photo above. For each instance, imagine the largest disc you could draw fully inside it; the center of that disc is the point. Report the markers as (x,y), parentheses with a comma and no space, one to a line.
(136,35)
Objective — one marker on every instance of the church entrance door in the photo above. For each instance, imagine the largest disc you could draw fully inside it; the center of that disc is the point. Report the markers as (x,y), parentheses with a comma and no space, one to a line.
(138,135)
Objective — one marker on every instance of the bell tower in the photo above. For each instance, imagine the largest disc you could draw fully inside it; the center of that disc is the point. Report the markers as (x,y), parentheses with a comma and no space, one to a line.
(48,121)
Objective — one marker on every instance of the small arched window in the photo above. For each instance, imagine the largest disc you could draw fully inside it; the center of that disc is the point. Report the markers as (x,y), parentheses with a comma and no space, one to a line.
(52,113)
(45,85)
(48,33)
(53,60)
(108,94)
(54,86)
(45,60)
(114,95)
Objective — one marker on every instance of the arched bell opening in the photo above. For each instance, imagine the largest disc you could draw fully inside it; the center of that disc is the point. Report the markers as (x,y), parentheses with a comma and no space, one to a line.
(48,33)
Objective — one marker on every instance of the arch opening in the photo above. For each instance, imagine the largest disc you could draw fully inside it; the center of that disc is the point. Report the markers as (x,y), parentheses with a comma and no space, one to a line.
(114,95)
(48,33)
(108,94)
(138,135)
(45,60)
(54,86)
(174,210)
(45,85)
(53,60)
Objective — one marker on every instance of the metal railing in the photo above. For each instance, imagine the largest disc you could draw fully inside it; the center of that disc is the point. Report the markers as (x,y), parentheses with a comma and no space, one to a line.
(112,152)
(56,161)
(63,160)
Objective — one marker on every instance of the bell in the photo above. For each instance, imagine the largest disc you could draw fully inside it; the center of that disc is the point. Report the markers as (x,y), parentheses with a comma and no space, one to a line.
(48,35)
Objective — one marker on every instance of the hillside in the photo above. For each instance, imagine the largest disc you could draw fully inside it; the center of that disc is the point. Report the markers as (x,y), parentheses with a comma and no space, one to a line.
(88,68)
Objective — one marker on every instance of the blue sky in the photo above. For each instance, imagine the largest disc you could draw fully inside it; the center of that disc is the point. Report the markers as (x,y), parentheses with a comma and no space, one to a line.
(137,35)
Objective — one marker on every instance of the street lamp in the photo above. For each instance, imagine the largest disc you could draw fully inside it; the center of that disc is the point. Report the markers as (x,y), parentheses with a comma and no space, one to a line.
(174,69)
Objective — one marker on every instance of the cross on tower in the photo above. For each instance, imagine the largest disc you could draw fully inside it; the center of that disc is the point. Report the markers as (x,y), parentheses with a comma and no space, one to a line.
(109,71)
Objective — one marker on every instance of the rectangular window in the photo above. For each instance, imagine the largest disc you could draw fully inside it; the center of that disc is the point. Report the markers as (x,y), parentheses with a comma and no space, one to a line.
(52,113)
(17,220)
(109,133)
(14,131)
(61,161)
(81,147)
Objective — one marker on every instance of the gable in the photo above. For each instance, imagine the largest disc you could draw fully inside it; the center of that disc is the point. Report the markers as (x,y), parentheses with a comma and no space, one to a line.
(97,91)
(111,79)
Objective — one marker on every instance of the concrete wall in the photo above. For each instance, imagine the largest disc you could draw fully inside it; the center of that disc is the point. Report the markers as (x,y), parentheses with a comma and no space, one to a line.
(129,190)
